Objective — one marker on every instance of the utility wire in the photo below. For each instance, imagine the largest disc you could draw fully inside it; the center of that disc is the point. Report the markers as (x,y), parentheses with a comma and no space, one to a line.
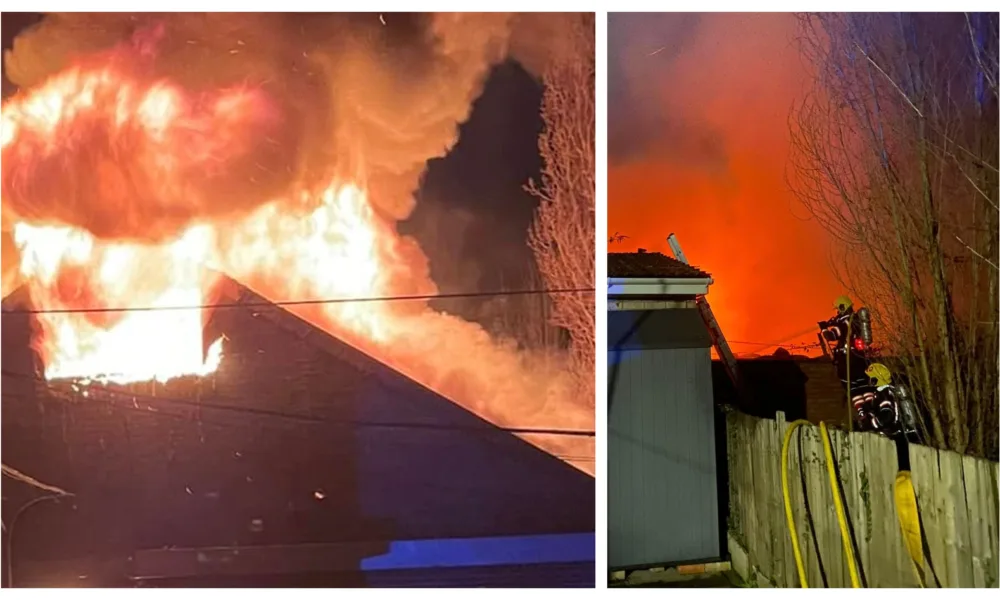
(769,344)
(783,342)
(68,386)
(266,303)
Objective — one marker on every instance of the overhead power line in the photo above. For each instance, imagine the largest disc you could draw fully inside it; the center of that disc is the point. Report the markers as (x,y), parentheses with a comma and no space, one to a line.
(784,341)
(266,303)
(769,344)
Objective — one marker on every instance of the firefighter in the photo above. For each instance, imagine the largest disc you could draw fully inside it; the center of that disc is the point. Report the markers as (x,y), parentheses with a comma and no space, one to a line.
(848,332)
(884,406)
(836,330)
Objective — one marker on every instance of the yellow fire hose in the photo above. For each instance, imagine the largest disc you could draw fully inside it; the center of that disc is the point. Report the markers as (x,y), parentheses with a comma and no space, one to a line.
(906,510)
(788,501)
(845,534)
(909,522)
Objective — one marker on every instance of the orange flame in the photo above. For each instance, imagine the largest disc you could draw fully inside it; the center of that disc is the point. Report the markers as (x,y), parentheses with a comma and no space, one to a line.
(313,243)
(67,269)
(121,153)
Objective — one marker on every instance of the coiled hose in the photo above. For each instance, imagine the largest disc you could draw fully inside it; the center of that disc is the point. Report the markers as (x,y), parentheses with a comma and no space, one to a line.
(845,534)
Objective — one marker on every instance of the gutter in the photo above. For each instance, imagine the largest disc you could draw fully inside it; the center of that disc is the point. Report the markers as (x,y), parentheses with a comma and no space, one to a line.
(659,286)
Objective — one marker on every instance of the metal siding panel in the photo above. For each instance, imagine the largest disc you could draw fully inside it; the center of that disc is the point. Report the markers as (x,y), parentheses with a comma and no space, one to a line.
(640,518)
(657,391)
(710,534)
(619,463)
(662,504)
(657,329)
(656,421)
(620,476)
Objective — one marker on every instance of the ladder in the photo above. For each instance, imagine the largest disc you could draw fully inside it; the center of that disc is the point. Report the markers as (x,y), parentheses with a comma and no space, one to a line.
(714,331)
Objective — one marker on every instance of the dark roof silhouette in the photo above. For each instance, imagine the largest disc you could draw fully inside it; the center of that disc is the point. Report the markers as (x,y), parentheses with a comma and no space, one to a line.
(650,264)
(298,439)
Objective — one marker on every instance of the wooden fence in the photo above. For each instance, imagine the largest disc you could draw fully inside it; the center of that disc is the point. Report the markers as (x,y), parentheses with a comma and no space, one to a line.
(956,495)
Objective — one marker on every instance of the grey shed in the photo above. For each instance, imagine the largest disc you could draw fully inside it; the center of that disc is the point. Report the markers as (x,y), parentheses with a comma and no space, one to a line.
(663,502)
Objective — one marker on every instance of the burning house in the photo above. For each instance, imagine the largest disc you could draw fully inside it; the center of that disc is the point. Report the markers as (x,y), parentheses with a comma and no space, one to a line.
(298,461)
(331,420)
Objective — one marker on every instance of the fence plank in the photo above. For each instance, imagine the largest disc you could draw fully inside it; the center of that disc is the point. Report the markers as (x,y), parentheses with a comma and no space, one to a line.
(989,510)
(764,490)
(760,497)
(748,496)
(782,550)
(955,511)
(832,550)
(852,463)
(797,497)
(787,576)
(886,535)
(977,504)
(842,461)
(749,520)
(753,538)
(926,481)
(816,525)
(957,499)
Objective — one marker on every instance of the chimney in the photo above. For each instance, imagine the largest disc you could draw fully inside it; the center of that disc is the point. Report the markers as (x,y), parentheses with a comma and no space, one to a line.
(642,250)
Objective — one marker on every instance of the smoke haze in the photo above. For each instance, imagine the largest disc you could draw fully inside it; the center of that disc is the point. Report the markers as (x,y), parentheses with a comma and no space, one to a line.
(698,140)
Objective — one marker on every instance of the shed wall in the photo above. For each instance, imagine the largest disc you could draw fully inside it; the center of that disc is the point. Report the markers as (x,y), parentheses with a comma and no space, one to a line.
(662,476)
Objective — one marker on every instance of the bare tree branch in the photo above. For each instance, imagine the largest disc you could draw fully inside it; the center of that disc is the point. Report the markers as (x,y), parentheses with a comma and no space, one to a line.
(973,250)
(562,236)
(889,79)
(895,155)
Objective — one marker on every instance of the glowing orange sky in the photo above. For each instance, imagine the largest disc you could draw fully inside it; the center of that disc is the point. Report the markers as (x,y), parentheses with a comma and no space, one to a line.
(738,77)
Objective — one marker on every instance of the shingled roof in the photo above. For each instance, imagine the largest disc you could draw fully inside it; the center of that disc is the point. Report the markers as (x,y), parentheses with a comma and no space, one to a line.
(650,264)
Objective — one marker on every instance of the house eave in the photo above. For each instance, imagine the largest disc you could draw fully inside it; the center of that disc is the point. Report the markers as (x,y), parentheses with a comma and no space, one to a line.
(659,286)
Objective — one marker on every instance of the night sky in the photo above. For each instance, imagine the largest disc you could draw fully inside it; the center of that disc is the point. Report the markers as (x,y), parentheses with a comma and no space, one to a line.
(472,214)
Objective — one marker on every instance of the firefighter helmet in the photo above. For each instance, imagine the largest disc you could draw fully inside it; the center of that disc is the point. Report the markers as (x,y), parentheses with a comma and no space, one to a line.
(880,373)
(842,303)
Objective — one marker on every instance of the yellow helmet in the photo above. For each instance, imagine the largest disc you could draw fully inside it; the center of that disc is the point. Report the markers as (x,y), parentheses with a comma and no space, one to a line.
(842,303)
(880,373)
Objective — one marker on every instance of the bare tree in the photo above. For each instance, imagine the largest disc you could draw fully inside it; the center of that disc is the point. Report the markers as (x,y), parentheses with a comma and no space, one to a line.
(895,154)
(562,236)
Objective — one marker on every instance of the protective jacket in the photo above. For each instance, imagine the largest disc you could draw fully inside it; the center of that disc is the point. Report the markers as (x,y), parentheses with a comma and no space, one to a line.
(885,409)
(836,330)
